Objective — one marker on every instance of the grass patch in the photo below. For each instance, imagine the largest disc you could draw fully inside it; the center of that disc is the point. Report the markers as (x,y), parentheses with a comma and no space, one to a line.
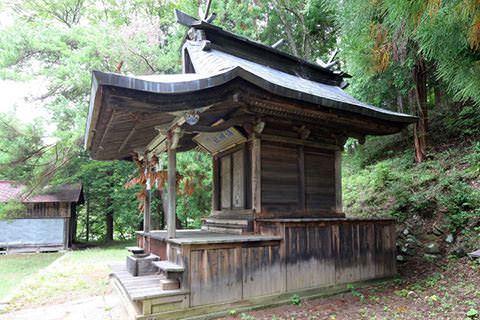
(15,268)
(79,274)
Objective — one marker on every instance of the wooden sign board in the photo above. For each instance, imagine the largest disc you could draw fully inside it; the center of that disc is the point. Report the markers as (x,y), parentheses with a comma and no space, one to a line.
(215,142)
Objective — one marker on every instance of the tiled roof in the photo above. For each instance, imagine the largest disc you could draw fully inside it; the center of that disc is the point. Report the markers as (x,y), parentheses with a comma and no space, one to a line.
(69,192)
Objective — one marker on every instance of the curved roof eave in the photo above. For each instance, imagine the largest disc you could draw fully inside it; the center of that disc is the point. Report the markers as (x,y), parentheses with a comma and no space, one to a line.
(185,83)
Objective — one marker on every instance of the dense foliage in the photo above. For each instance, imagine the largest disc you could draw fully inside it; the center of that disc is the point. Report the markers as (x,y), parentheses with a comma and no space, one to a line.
(380,179)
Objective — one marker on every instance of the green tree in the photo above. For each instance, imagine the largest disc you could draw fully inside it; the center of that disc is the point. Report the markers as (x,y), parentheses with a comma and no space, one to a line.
(403,54)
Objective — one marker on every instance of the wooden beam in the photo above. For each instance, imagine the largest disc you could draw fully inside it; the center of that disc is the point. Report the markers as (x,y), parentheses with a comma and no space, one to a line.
(338,183)
(107,128)
(306,143)
(171,189)
(130,134)
(222,126)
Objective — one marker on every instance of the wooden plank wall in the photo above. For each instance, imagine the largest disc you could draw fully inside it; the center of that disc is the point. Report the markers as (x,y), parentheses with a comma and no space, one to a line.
(48,210)
(320,254)
(297,181)
(312,254)
(319,181)
(279,180)
(234,272)
(310,259)
(232,179)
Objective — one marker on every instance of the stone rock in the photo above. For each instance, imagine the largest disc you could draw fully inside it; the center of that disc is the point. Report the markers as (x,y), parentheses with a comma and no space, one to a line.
(408,249)
(460,250)
(429,257)
(412,240)
(431,237)
(401,258)
(432,248)
(437,231)
(449,238)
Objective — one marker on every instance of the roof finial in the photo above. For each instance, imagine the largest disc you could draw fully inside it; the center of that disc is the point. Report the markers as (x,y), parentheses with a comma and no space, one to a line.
(209,3)
(330,62)
(278,44)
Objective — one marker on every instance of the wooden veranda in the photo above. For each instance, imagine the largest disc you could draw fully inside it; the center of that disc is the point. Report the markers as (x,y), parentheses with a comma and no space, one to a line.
(275,126)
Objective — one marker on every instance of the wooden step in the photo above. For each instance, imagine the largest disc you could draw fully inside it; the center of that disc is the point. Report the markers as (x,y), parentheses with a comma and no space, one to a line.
(169,284)
(167,266)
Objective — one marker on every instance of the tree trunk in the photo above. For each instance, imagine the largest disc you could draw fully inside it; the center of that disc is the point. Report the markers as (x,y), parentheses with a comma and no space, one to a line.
(109,224)
(87,222)
(420,91)
(288,30)
(158,221)
(163,194)
(400,107)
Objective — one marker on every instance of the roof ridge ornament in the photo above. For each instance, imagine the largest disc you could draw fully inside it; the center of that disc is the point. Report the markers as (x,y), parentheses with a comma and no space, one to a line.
(278,44)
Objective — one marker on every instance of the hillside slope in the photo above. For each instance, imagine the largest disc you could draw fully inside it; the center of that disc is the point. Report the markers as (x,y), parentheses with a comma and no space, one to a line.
(436,203)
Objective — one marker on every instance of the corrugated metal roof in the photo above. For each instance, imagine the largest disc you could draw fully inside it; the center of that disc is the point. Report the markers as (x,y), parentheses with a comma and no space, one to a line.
(69,192)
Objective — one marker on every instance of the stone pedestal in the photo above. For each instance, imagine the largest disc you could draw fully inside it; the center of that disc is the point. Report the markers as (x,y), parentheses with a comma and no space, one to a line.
(141,264)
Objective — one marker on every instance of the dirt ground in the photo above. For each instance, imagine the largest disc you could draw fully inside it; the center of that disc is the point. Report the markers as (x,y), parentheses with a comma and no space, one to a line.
(91,308)
(422,291)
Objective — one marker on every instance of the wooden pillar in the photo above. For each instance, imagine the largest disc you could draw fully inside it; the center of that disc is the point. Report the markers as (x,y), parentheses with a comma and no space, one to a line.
(301,179)
(215,184)
(147,209)
(338,183)
(256,176)
(171,189)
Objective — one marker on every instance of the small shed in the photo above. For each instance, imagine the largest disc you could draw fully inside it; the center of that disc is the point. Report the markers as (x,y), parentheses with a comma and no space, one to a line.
(49,223)
(275,125)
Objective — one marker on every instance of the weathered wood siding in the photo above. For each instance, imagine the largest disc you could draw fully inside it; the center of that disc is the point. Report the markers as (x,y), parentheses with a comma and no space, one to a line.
(297,181)
(234,272)
(48,210)
(231,179)
(279,180)
(262,271)
(310,258)
(315,253)
(216,275)
(327,253)
(319,181)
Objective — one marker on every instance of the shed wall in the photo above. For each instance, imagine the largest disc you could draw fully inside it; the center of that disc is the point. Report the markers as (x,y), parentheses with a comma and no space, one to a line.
(32,231)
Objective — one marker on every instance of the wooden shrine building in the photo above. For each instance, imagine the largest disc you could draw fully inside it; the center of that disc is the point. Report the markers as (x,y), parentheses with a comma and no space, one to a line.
(275,126)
